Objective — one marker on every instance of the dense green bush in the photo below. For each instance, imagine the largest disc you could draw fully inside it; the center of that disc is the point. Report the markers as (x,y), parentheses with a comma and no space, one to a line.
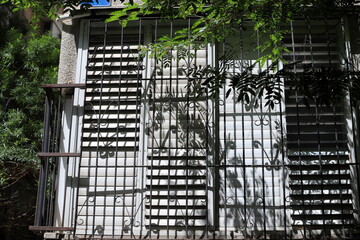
(27,60)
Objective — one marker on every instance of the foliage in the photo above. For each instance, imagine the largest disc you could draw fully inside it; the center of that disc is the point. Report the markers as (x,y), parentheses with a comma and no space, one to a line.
(26,63)
(27,60)
(214,21)
(324,86)
(265,84)
(48,8)
(217,19)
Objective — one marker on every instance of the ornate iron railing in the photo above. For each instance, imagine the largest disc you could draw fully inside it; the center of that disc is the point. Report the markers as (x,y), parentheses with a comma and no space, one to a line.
(161,159)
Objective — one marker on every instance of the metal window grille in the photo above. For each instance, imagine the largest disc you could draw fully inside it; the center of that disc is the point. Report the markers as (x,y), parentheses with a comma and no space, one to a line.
(158,161)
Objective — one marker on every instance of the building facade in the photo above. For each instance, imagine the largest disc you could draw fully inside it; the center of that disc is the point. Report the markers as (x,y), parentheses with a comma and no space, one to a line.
(135,147)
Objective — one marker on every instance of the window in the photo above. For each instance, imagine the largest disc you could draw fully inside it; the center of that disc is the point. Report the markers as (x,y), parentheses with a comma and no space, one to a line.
(157,160)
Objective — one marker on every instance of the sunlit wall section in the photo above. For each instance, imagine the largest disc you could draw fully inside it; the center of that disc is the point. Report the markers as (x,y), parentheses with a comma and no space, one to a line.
(251,132)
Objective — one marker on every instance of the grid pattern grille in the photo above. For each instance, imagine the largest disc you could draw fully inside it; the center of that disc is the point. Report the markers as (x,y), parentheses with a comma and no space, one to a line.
(321,194)
(158,161)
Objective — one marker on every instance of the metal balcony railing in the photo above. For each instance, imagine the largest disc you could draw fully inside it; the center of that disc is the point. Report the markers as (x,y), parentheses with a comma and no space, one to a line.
(49,156)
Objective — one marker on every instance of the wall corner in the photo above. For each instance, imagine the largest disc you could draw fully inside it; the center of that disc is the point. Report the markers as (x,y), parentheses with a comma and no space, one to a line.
(68,51)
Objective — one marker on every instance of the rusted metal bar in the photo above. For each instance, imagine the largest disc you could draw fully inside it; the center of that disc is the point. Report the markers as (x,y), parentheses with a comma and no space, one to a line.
(59,154)
(45,229)
(65,85)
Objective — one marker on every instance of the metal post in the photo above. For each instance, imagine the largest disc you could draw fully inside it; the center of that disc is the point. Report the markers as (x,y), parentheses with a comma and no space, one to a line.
(41,200)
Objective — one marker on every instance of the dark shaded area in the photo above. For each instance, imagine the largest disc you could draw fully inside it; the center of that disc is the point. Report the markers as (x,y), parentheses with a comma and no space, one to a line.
(17,200)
